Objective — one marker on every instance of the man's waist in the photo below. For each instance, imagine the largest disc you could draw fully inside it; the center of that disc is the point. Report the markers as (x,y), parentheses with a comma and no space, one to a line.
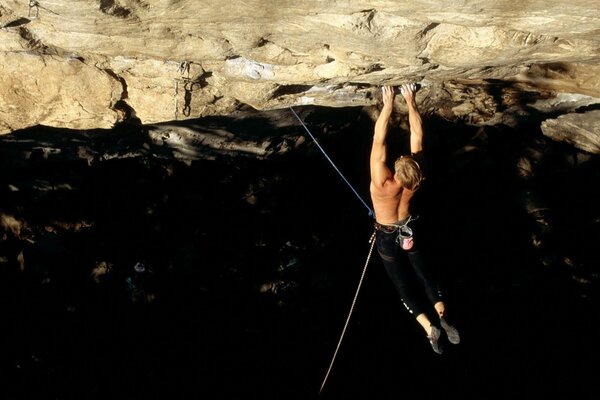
(392,227)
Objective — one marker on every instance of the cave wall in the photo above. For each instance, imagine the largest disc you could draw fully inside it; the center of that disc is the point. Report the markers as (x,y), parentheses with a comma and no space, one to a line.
(92,64)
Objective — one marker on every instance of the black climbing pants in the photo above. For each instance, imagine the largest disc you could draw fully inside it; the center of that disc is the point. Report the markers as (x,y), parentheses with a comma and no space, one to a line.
(412,277)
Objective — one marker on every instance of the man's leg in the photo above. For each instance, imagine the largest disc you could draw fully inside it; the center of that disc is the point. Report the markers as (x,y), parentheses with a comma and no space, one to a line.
(406,284)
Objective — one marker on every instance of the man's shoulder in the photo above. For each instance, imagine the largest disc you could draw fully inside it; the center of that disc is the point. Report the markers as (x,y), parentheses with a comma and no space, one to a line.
(388,188)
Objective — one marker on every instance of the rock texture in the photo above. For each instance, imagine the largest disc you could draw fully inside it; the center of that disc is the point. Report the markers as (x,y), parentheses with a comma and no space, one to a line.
(94,63)
(579,129)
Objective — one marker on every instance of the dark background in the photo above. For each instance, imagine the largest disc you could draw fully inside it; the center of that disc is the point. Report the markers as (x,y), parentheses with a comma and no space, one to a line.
(195,323)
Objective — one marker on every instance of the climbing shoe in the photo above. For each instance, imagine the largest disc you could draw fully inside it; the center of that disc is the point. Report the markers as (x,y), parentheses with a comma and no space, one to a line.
(434,339)
(451,332)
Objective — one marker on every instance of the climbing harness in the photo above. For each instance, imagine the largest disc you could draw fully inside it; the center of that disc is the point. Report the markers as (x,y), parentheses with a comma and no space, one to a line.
(372,241)
(405,232)
(371,214)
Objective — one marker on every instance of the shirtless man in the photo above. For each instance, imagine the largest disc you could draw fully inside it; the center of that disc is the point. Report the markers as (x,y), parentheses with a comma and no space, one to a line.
(391,193)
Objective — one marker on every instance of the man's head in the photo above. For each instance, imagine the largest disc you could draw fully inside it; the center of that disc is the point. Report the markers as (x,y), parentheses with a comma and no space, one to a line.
(408,172)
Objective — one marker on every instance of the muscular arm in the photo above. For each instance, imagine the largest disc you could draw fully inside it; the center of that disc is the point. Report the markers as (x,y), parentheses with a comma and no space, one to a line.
(414,120)
(379,170)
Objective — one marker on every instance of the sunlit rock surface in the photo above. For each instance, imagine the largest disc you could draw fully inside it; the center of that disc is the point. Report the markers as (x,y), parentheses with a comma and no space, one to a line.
(578,129)
(92,64)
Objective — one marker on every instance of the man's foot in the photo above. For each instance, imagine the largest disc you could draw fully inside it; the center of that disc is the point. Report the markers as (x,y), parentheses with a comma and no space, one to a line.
(434,339)
(451,332)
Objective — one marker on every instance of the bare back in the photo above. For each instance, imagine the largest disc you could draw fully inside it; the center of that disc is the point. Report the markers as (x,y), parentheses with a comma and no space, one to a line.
(391,202)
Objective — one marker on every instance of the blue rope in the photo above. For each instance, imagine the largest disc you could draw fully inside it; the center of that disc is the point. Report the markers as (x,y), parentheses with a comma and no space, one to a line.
(329,159)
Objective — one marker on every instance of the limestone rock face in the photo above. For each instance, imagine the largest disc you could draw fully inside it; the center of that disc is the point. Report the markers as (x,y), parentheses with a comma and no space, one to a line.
(93,63)
(580,130)
(55,91)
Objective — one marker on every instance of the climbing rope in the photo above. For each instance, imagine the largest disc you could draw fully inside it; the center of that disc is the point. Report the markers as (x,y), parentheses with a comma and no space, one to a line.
(372,241)
(329,159)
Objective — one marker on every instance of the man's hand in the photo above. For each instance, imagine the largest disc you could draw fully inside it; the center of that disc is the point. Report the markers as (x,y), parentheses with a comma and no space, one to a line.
(408,92)
(388,96)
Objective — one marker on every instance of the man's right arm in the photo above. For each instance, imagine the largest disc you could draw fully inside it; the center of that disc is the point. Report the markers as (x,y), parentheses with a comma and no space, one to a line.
(379,171)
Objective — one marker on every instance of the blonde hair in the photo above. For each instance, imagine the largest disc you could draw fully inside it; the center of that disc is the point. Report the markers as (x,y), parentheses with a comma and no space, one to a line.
(409,172)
